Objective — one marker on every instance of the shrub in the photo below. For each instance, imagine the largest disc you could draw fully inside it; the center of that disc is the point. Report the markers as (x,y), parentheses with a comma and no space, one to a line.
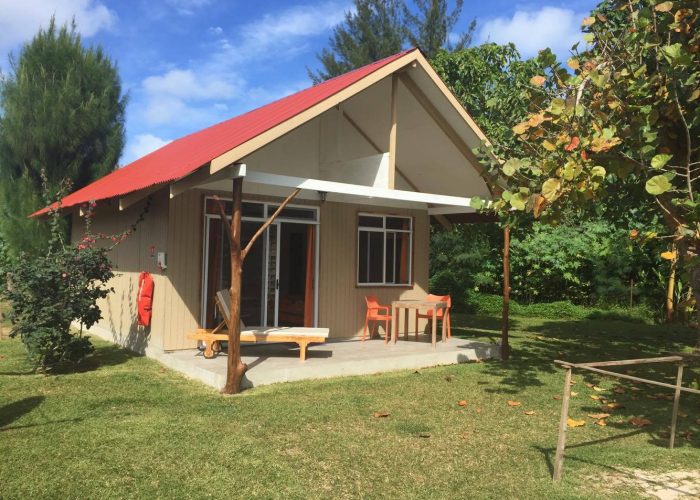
(492,305)
(46,293)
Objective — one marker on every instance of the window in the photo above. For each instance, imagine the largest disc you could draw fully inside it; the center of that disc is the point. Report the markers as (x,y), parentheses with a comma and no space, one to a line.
(384,246)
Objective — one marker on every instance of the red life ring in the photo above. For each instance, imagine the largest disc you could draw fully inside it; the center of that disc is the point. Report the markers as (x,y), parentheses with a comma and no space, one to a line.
(145,298)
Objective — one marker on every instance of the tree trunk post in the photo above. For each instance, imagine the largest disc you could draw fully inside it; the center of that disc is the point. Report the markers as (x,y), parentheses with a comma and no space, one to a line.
(676,401)
(670,291)
(563,420)
(505,346)
(235,367)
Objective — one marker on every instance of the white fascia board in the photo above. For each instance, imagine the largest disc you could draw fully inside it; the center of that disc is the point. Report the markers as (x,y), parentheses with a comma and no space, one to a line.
(355,189)
(204,176)
(450,210)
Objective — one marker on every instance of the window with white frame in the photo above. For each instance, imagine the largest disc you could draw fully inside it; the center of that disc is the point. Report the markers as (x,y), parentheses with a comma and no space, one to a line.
(384,248)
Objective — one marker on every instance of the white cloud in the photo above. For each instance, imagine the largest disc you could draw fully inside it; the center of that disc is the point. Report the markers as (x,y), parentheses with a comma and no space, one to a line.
(21,19)
(142,144)
(187,84)
(201,93)
(187,7)
(532,31)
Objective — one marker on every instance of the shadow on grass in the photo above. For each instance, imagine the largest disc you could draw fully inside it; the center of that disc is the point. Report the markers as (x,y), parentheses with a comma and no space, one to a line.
(11,412)
(104,355)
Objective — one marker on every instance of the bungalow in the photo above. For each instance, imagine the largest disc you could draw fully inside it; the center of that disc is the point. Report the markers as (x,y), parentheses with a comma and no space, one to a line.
(378,152)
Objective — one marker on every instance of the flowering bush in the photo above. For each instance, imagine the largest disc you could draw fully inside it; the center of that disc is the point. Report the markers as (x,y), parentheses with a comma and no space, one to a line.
(47,293)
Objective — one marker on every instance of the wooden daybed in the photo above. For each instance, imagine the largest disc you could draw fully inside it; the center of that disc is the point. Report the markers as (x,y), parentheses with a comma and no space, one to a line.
(302,336)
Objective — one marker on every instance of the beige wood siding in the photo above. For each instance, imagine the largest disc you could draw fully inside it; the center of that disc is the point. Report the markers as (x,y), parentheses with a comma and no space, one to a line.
(185,238)
(119,311)
(176,227)
(341,302)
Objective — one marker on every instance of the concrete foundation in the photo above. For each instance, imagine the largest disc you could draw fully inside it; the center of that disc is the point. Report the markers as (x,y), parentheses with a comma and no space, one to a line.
(273,363)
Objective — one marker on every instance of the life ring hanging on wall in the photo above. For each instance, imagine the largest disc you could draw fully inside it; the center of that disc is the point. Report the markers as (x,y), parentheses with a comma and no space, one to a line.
(145,298)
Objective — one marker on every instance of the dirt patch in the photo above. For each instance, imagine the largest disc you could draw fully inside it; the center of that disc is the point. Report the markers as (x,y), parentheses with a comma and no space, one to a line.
(661,485)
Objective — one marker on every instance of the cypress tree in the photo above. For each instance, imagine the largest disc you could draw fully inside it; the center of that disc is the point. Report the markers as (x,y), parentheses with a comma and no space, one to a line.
(430,27)
(61,111)
(374,31)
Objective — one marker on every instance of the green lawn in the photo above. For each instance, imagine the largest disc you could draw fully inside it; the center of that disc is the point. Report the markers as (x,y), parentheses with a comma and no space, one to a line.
(126,427)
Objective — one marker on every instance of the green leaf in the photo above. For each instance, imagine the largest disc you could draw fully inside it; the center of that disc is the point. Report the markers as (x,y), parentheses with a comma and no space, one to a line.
(589,37)
(660,160)
(511,166)
(672,52)
(476,203)
(550,189)
(557,106)
(658,184)
(598,171)
(519,200)
(664,7)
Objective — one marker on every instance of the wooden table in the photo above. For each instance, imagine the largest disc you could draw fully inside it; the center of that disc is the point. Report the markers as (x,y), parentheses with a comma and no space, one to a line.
(417,305)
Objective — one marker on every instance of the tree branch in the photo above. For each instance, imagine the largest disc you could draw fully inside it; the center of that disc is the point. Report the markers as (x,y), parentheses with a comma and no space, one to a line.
(267,223)
(689,147)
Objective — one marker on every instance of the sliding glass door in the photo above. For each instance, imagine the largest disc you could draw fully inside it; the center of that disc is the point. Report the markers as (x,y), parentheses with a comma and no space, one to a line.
(279,274)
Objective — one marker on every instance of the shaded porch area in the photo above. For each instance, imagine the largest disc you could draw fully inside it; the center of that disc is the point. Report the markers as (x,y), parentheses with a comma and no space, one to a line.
(273,363)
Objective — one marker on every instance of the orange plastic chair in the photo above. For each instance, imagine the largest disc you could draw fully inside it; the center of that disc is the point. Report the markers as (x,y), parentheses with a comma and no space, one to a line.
(374,314)
(442,314)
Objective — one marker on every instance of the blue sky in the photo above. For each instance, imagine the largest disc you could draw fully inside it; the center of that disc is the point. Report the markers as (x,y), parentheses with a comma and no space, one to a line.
(187,64)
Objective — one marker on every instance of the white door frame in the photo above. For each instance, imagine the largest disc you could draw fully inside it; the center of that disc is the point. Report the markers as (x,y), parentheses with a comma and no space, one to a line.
(205,253)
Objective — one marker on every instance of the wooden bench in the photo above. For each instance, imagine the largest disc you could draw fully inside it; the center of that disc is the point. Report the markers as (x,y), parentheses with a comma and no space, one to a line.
(302,336)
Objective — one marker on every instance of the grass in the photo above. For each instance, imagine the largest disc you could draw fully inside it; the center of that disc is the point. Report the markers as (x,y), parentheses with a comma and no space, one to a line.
(126,427)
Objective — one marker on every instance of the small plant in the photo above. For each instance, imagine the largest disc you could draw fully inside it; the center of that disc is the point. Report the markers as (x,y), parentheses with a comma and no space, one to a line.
(49,292)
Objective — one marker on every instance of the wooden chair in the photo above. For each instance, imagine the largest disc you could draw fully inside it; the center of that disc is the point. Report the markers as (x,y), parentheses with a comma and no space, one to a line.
(374,314)
(442,314)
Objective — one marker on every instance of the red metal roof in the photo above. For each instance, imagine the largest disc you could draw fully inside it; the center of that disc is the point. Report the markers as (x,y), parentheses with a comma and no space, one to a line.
(185,155)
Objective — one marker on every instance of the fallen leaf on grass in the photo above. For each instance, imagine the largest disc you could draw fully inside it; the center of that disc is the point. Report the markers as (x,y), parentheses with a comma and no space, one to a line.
(601,423)
(597,389)
(540,337)
(589,385)
(639,422)
(478,410)
(381,414)
(529,412)
(574,393)
(557,397)
(424,435)
(636,389)
(464,435)
(514,403)
(462,403)
(594,396)
(682,414)
(449,378)
(612,406)
(575,423)
(619,390)
(599,416)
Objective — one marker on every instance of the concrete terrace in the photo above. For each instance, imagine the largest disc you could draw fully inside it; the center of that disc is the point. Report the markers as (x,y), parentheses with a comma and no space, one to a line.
(273,363)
